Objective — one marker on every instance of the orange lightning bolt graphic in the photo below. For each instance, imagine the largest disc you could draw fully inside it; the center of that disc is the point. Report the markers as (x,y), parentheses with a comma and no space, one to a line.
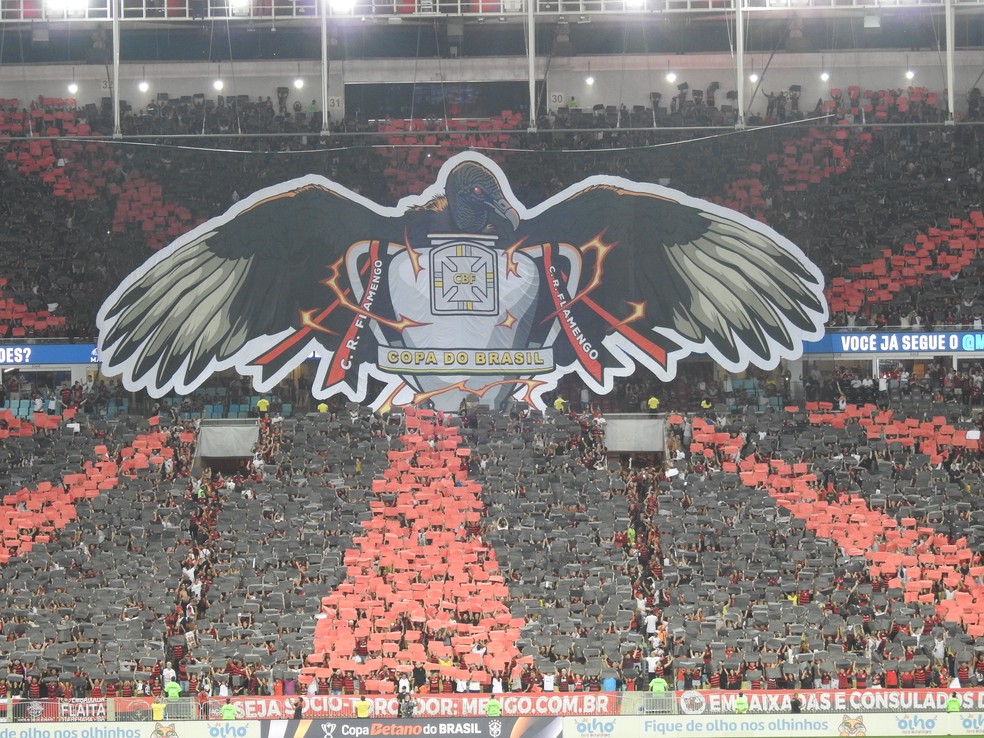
(308,322)
(507,322)
(512,268)
(413,255)
(638,312)
(388,402)
(332,284)
(530,384)
(602,249)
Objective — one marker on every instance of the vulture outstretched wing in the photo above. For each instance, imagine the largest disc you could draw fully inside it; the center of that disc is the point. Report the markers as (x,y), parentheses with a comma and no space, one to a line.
(684,273)
(208,300)
(602,274)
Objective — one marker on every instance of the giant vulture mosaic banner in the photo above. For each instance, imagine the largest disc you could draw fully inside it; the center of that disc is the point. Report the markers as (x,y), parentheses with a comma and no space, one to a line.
(460,290)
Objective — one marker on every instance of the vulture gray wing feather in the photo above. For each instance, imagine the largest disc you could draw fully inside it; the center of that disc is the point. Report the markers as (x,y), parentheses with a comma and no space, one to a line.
(707,277)
(244,277)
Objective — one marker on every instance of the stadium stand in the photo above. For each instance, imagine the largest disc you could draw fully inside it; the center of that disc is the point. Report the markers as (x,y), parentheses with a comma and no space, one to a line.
(901,276)
(781,547)
(786,549)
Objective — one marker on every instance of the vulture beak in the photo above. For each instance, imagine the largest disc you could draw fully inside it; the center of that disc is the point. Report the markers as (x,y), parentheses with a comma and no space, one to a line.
(501,206)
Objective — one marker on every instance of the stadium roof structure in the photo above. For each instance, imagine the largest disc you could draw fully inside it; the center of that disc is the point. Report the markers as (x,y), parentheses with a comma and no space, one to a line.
(532,28)
(176,11)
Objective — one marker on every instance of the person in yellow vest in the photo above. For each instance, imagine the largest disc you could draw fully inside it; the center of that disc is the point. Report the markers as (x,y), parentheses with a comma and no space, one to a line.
(741,704)
(706,404)
(657,684)
(652,404)
(559,403)
(322,407)
(363,707)
(157,709)
(263,407)
(953,703)
(172,689)
(493,708)
(228,711)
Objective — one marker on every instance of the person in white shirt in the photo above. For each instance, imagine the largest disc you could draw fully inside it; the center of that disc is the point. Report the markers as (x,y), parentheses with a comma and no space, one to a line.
(548,681)
(652,661)
(652,622)
(497,687)
(168,674)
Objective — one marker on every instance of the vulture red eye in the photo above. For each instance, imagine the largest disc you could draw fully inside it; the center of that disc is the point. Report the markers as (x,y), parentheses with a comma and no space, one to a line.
(477,190)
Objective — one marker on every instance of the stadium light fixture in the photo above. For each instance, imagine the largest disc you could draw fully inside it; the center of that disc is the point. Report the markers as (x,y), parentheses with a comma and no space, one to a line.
(218,84)
(73,87)
(67,8)
(909,74)
(753,78)
(671,77)
(144,86)
(341,7)
(825,76)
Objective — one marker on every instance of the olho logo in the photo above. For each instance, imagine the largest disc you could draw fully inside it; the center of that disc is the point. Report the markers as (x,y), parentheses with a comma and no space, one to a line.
(595,727)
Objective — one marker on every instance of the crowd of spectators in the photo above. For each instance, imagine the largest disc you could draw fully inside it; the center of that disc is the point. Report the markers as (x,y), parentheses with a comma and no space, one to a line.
(915,178)
(727,588)
(677,566)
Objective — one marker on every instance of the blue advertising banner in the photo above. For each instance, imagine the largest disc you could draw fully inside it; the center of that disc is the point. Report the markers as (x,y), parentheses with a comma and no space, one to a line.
(35,354)
(897,343)
(832,343)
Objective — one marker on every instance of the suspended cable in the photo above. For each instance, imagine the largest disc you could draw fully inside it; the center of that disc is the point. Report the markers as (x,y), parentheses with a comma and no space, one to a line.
(232,72)
(211,39)
(440,74)
(621,79)
(413,86)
